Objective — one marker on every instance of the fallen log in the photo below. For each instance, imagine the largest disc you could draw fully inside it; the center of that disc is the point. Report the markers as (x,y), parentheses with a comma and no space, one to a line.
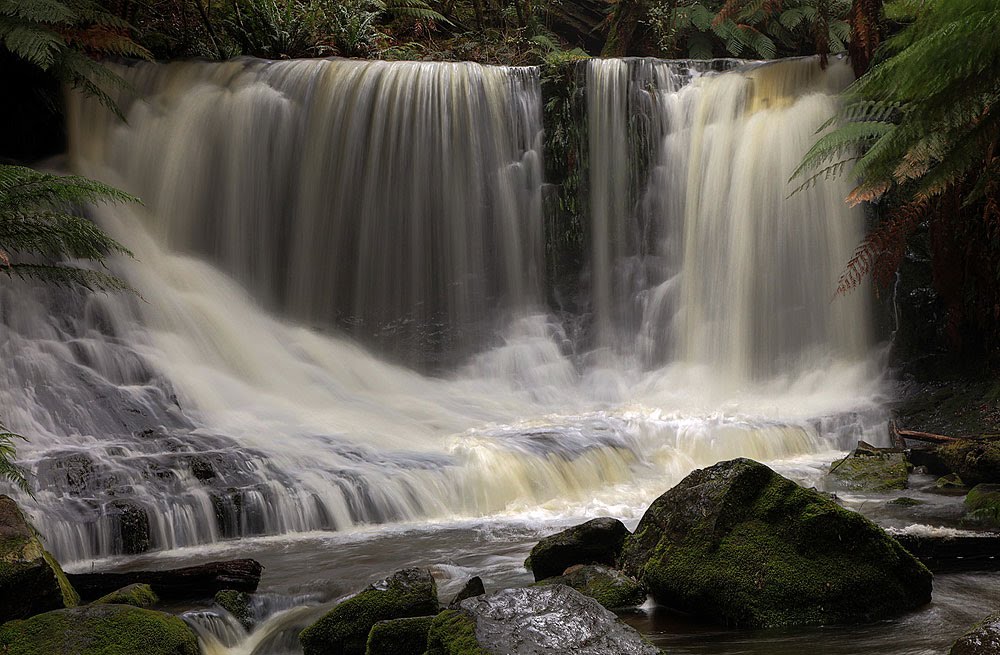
(954,553)
(925,436)
(190,583)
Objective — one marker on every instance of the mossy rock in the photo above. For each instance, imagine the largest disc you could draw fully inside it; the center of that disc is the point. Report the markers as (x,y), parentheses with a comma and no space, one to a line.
(344,629)
(612,589)
(598,541)
(453,632)
(547,618)
(866,470)
(949,484)
(399,636)
(976,462)
(906,501)
(236,603)
(983,506)
(136,595)
(982,639)
(738,544)
(99,630)
(31,580)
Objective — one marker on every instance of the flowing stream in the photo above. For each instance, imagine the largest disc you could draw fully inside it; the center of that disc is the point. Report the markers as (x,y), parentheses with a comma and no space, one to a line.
(341,336)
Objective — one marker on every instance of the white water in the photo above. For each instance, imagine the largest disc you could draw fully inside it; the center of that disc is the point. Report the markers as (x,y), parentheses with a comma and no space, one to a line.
(287,204)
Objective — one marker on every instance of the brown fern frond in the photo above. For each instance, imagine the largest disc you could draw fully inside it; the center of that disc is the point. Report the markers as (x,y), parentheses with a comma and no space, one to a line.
(867,193)
(882,251)
(866,33)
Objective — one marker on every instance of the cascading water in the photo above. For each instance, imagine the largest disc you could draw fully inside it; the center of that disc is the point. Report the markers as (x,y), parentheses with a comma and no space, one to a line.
(400,203)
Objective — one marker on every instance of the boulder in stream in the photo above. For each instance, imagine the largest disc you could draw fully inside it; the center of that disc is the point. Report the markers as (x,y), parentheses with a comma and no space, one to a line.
(983,506)
(872,469)
(99,630)
(344,629)
(598,541)
(236,603)
(31,580)
(136,595)
(738,544)
(982,639)
(550,619)
(612,589)
(399,636)
(473,587)
(975,461)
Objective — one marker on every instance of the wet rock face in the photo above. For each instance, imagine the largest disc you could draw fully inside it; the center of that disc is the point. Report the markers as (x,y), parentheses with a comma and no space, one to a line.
(31,580)
(976,462)
(344,630)
(612,589)
(982,639)
(598,541)
(474,587)
(550,619)
(872,470)
(99,630)
(738,544)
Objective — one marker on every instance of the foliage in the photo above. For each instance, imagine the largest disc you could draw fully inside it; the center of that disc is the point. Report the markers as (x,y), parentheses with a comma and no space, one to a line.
(37,225)
(702,29)
(61,36)
(919,131)
(8,469)
(278,28)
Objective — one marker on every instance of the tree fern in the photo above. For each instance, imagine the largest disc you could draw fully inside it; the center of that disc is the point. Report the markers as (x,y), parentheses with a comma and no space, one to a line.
(10,471)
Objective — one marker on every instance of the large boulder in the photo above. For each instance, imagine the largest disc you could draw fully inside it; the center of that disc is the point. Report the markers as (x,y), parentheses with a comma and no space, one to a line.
(31,580)
(612,589)
(598,541)
(344,629)
(739,544)
(99,630)
(550,619)
(974,461)
(982,639)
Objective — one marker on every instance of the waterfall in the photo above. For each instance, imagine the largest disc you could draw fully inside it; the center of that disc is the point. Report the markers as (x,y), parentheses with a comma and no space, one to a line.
(341,320)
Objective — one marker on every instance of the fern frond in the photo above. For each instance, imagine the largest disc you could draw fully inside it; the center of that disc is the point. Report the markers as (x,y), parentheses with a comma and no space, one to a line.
(8,469)
(883,249)
(65,275)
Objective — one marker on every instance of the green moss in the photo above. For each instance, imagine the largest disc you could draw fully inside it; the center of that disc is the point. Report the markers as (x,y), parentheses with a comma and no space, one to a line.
(345,628)
(399,636)
(975,462)
(236,603)
(610,588)
(872,472)
(453,633)
(765,552)
(950,482)
(99,630)
(136,595)
(69,595)
(983,505)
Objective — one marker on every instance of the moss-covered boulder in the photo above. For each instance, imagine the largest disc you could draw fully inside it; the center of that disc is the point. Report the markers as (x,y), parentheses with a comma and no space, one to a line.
(612,589)
(598,541)
(136,595)
(949,484)
(399,636)
(236,603)
(99,630)
(551,619)
(974,461)
(982,506)
(982,639)
(344,629)
(473,587)
(739,544)
(872,470)
(31,580)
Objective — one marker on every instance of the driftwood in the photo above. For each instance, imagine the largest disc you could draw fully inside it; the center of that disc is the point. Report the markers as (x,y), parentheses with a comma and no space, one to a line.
(955,553)
(193,582)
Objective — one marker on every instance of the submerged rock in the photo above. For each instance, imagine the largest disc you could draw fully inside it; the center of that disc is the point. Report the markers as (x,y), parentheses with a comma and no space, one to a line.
(236,603)
(399,636)
(345,628)
(906,501)
(982,639)
(99,630)
(550,619)
(974,461)
(612,589)
(869,469)
(983,505)
(949,484)
(739,544)
(31,580)
(474,587)
(598,541)
(136,595)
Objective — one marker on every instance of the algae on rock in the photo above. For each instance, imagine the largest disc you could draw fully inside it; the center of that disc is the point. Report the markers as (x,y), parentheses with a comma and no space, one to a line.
(136,595)
(739,544)
(399,636)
